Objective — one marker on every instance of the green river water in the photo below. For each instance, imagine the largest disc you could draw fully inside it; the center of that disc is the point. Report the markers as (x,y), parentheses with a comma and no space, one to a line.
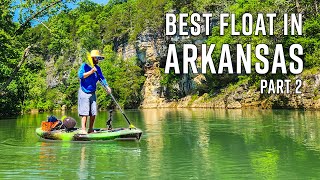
(176,144)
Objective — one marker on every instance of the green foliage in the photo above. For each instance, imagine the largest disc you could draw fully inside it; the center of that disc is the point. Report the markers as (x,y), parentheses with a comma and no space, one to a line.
(88,32)
(10,51)
(60,44)
(108,52)
(125,78)
(170,83)
(193,98)
(216,82)
(64,38)
(121,19)
(71,89)
(309,41)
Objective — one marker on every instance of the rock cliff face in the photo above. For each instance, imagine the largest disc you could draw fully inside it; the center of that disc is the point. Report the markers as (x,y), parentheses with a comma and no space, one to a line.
(151,50)
(245,97)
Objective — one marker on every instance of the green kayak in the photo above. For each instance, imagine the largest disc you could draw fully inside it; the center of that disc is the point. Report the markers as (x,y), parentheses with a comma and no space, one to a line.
(98,134)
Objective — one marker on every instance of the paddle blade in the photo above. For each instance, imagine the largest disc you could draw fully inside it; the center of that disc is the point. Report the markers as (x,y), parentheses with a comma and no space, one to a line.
(131,126)
(89,59)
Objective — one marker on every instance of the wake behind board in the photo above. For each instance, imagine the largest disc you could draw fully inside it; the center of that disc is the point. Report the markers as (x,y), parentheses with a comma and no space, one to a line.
(98,134)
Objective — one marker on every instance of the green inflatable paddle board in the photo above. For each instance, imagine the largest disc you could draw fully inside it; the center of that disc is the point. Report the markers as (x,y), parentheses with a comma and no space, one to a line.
(98,134)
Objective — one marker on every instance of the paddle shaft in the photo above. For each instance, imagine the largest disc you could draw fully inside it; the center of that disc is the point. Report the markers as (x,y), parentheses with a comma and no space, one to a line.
(120,109)
(103,85)
(115,101)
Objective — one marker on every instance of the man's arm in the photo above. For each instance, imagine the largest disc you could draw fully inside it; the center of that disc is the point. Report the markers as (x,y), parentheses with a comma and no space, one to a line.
(103,80)
(82,74)
(85,75)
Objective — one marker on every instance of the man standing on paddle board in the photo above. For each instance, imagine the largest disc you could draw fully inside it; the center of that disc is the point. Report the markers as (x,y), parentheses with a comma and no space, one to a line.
(89,76)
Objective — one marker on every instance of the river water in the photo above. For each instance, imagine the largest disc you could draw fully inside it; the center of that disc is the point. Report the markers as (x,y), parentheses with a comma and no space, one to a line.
(176,144)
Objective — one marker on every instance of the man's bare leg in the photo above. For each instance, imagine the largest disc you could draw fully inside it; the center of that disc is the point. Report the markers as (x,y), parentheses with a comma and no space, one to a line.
(92,118)
(83,123)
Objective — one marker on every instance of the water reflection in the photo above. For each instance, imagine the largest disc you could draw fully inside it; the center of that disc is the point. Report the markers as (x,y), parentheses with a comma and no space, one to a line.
(176,144)
(83,169)
(265,163)
(153,121)
(213,141)
(86,160)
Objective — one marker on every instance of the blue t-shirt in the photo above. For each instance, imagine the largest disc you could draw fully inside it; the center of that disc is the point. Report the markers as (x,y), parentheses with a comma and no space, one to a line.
(89,84)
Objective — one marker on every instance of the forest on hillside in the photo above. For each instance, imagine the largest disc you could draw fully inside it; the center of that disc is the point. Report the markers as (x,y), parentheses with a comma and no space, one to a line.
(31,55)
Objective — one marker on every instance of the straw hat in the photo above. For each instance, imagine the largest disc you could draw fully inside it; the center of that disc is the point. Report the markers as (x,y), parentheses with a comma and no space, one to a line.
(96,53)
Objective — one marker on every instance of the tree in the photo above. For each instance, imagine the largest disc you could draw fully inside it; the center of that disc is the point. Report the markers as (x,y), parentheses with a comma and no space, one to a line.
(15,46)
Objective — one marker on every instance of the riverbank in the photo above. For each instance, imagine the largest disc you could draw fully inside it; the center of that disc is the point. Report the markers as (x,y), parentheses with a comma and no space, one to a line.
(236,96)
(242,95)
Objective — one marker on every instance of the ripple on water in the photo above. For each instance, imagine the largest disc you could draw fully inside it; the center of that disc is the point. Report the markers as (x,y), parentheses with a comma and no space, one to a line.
(176,144)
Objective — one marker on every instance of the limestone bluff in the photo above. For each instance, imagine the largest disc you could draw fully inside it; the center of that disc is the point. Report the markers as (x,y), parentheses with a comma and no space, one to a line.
(151,49)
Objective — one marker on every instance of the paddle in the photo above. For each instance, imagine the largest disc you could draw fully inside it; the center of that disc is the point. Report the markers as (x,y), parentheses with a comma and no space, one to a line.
(131,126)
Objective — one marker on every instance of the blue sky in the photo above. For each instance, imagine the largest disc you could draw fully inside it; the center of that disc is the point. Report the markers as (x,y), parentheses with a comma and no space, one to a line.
(73,5)
(101,1)
(15,18)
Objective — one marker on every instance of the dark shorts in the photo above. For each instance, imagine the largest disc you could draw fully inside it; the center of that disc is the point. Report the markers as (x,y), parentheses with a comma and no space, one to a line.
(87,104)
